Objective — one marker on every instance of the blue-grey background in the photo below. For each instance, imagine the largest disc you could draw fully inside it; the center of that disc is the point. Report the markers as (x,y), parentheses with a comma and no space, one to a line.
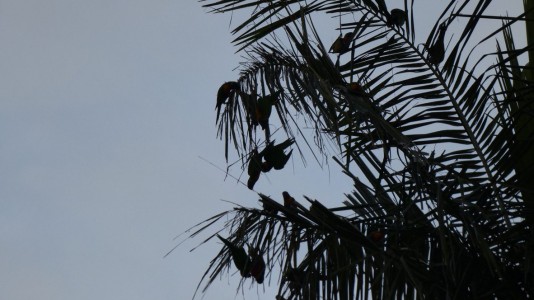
(105,108)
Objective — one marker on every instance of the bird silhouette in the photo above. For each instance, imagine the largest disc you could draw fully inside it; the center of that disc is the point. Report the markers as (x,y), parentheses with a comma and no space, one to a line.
(240,257)
(436,52)
(397,17)
(257,269)
(275,156)
(342,44)
(289,202)
(254,168)
(264,108)
(225,91)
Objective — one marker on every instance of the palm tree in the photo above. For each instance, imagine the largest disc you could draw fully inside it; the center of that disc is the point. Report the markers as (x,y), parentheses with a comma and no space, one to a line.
(439,131)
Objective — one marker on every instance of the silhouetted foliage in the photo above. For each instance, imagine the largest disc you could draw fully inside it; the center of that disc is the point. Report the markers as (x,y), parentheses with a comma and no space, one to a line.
(434,130)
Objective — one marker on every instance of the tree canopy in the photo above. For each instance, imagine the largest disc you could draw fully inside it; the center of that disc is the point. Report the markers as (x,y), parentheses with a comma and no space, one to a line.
(434,127)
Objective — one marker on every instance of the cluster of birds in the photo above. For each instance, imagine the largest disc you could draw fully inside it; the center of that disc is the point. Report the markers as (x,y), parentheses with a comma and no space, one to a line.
(249,264)
(259,110)
(396,17)
(252,264)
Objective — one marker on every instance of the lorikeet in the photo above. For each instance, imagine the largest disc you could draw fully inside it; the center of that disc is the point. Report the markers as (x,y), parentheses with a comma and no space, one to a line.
(225,91)
(275,156)
(342,44)
(396,17)
(250,103)
(356,89)
(288,200)
(436,52)
(239,255)
(376,235)
(254,168)
(257,269)
(264,108)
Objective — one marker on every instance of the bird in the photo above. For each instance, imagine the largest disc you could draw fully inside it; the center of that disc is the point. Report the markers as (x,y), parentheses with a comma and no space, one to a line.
(436,52)
(275,156)
(225,91)
(264,108)
(376,235)
(356,89)
(240,257)
(289,201)
(396,17)
(342,44)
(257,269)
(250,104)
(358,97)
(254,168)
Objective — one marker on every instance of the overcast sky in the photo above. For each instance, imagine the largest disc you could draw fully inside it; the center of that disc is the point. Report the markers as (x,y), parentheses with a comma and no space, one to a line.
(105,108)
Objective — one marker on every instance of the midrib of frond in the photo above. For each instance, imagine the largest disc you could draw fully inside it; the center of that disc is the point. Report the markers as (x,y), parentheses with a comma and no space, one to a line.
(463,119)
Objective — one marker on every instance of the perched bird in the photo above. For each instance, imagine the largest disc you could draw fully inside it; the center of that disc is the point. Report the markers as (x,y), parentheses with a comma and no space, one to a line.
(288,200)
(257,269)
(239,255)
(250,103)
(397,17)
(356,89)
(269,207)
(376,235)
(254,165)
(266,167)
(252,181)
(342,44)
(225,91)
(254,168)
(275,156)
(436,52)
(358,97)
(264,108)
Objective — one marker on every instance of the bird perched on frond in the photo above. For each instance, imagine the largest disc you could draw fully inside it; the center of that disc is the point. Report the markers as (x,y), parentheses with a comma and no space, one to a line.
(342,43)
(436,52)
(289,201)
(257,269)
(275,156)
(254,168)
(397,17)
(226,90)
(264,108)
(240,257)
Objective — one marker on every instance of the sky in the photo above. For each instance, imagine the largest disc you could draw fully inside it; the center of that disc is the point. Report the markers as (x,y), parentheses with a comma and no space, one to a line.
(106,120)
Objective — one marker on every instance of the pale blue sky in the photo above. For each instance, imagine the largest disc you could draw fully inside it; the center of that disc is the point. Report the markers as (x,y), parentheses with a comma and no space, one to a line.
(105,107)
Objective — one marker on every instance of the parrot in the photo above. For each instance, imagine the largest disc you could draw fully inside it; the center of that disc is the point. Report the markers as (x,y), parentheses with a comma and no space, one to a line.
(396,17)
(269,208)
(225,91)
(255,164)
(239,255)
(288,200)
(257,269)
(250,104)
(274,154)
(252,181)
(376,235)
(254,168)
(356,89)
(361,99)
(266,167)
(342,44)
(436,52)
(264,108)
